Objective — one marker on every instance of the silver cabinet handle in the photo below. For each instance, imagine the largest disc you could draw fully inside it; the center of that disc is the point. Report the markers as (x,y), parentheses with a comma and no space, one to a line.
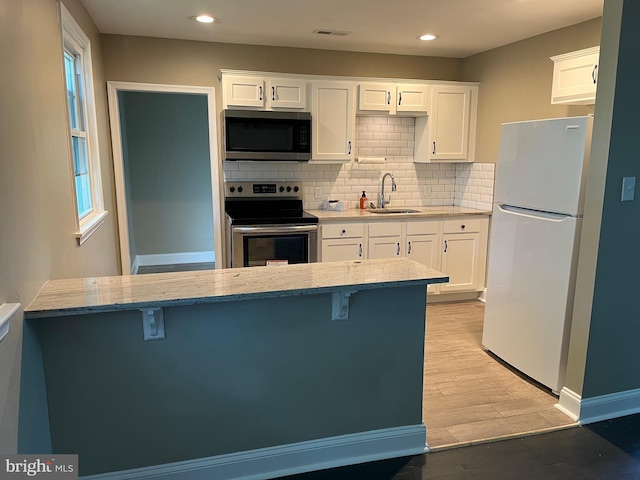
(593,73)
(398,250)
(260,92)
(360,250)
(434,148)
(388,98)
(349,148)
(445,246)
(273,93)
(409,249)
(400,98)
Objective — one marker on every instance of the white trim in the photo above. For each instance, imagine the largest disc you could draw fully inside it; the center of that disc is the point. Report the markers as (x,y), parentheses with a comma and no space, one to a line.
(596,409)
(6,312)
(134,266)
(173,258)
(114,117)
(272,462)
(73,33)
(569,403)
(483,296)
(613,405)
(95,220)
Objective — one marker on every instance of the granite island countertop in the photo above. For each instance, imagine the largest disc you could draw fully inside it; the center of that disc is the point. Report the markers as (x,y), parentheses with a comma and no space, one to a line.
(423,212)
(109,294)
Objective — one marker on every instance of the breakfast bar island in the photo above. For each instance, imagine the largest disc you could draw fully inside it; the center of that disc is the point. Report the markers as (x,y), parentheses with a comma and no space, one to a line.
(238,373)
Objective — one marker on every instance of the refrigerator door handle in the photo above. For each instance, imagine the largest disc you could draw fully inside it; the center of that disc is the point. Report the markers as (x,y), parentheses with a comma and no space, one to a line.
(525,212)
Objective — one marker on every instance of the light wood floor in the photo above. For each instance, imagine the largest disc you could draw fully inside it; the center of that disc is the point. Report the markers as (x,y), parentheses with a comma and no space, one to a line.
(470,396)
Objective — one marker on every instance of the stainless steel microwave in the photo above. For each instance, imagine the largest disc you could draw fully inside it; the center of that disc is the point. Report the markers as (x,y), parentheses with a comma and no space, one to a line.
(273,136)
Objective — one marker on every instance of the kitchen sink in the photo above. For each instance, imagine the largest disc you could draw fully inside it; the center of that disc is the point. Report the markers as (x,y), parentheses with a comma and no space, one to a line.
(394,210)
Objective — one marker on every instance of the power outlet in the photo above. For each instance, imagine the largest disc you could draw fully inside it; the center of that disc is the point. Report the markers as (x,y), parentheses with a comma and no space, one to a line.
(628,189)
(317,193)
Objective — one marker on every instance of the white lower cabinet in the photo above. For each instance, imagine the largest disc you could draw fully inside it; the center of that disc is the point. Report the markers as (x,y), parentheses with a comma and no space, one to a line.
(385,240)
(455,246)
(342,242)
(464,254)
(423,245)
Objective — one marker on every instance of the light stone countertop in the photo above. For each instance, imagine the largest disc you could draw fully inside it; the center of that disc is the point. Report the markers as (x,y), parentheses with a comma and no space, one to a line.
(424,212)
(108,294)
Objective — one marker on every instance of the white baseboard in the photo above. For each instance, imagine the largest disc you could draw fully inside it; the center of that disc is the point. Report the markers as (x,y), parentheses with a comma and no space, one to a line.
(289,459)
(569,403)
(134,266)
(603,407)
(483,296)
(173,258)
(609,406)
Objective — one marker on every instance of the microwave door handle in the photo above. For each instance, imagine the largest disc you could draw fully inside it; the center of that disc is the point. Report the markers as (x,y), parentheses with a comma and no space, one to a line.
(277,229)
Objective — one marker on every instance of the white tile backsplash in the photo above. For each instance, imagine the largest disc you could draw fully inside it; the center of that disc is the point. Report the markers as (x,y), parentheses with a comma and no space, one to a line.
(474,185)
(419,184)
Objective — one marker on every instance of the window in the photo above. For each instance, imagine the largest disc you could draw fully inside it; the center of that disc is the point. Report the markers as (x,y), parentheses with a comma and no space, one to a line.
(85,158)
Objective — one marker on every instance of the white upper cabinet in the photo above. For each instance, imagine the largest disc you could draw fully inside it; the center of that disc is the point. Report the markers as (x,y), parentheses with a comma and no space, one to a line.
(333,121)
(264,92)
(451,125)
(412,98)
(575,77)
(391,98)
(376,97)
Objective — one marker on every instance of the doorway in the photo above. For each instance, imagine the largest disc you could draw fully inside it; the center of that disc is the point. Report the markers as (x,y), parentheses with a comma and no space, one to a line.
(166,174)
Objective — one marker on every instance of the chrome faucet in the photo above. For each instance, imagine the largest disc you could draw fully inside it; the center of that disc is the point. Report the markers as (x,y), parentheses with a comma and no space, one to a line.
(382,201)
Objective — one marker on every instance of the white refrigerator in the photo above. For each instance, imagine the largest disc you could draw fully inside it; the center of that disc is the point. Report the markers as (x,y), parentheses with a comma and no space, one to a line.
(534,244)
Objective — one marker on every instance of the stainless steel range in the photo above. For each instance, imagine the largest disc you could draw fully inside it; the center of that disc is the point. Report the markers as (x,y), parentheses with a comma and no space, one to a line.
(266,225)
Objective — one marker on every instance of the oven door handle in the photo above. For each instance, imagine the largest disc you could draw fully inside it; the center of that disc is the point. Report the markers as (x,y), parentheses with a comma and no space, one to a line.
(277,229)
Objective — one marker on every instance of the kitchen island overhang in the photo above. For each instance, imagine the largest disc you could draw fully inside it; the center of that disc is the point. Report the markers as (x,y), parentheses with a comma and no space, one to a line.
(262,371)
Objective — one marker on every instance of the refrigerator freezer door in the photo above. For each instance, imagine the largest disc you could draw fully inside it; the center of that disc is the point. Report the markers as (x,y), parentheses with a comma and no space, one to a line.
(541,164)
(530,288)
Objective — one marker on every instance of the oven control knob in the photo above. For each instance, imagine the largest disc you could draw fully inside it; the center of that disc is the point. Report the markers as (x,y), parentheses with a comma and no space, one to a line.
(288,188)
(232,189)
(295,189)
(281,188)
(239,189)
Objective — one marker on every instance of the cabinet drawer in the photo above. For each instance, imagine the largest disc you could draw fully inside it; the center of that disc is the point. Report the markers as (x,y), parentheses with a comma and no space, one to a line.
(385,229)
(343,230)
(423,228)
(463,224)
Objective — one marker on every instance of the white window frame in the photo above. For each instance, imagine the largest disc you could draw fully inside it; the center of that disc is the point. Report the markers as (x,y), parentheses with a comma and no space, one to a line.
(75,40)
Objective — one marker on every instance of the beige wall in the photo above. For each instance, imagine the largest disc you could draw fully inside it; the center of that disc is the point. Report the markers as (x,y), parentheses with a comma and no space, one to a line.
(182,62)
(515,82)
(37,224)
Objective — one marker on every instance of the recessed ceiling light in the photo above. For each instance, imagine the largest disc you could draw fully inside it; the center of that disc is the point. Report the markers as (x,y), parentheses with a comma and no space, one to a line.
(428,37)
(204,19)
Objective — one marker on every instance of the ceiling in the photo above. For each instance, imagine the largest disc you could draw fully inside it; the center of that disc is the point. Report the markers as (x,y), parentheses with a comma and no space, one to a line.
(464,27)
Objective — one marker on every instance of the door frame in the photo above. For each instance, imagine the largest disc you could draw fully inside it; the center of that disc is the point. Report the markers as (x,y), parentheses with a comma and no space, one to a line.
(113,88)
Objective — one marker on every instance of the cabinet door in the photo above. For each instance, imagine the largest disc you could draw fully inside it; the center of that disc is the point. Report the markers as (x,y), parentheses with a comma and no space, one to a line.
(412,98)
(333,118)
(243,91)
(385,247)
(340,249)
(377,97)
(461,261)
(450,122)
(575,77)
(426,250)
(288,93)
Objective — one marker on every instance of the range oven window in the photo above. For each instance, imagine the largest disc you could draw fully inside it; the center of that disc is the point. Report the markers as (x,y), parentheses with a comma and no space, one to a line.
(260,249)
